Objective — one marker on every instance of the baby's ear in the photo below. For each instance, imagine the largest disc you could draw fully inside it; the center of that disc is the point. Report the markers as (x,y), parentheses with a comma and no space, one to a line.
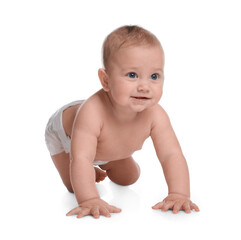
(104,79)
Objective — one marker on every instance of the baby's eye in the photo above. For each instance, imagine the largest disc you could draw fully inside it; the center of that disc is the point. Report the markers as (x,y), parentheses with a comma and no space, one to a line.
(154,76)
(132,75)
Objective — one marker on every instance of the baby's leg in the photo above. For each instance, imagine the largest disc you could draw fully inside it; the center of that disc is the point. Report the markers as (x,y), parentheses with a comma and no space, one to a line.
(62,163)
(123,172)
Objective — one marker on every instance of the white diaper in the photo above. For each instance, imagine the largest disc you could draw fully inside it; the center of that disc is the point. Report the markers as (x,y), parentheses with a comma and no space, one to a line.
(55,137)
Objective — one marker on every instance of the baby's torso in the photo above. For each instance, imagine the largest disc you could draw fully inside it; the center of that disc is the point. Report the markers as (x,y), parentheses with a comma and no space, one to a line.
(117,140)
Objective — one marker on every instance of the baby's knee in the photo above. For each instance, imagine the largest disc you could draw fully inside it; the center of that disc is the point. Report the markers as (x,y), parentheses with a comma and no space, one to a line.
(136,173)
(69,188)
(125,176)
(130,180)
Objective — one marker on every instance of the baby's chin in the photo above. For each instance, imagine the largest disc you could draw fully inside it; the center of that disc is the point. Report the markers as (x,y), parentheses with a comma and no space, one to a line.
(138,109)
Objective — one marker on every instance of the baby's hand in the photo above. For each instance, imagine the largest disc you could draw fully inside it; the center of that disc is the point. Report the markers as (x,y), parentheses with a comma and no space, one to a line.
(176,202)
(95,207)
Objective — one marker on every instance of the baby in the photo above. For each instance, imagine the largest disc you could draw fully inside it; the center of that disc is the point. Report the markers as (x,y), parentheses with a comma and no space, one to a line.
(108,127)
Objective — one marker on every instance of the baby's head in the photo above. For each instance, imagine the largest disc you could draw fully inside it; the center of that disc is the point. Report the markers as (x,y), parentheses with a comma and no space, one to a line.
(124,37)
(133,71)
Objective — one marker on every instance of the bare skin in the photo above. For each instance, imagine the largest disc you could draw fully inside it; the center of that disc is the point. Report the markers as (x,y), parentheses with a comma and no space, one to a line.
(62,160)
(62,163)
(114,123)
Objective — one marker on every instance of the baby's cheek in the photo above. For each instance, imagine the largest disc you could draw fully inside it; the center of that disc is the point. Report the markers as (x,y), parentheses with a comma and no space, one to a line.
(118,96)
(121,92)
(158,94)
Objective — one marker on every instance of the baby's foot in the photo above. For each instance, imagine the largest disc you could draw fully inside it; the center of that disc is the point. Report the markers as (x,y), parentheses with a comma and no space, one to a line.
(99,175)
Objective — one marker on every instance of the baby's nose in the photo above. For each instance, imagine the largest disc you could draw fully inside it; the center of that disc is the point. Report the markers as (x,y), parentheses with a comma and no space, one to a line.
(142,87)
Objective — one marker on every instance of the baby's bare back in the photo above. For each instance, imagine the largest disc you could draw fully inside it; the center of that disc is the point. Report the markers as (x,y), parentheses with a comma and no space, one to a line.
(117,139)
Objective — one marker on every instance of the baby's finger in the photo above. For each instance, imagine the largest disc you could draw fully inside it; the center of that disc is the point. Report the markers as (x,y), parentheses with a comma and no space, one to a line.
(95,212)
(83,213)
(158,205)
(177,206)
(186,207)
(73,211)
(195,207)
(105,212)
(113,209)
(166,206)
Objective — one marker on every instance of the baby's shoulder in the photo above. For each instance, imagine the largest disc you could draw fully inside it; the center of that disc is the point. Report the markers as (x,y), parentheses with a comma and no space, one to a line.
(156,112)
(157,116)
(91,109)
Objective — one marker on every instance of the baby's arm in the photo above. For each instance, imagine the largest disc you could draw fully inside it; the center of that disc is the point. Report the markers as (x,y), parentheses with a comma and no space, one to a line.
(85,135)
(173,163)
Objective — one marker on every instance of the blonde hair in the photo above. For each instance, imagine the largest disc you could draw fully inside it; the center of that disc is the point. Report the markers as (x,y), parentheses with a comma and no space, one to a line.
(124,37)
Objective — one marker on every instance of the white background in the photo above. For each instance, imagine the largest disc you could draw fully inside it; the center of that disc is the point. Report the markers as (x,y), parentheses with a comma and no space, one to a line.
(50,52)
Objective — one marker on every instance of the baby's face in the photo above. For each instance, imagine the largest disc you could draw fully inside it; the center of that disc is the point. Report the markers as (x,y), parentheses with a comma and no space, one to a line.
(136,77)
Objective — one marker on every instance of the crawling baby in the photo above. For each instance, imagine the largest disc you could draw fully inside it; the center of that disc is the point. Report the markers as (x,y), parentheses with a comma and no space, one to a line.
(92,139)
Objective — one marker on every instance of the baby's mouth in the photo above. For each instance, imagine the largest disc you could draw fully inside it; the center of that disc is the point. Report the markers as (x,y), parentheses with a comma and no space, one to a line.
(140,98)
